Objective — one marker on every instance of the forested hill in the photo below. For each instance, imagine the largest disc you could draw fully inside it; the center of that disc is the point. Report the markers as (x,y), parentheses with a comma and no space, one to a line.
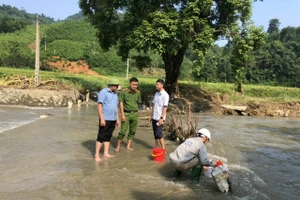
(15,13)
(77,16)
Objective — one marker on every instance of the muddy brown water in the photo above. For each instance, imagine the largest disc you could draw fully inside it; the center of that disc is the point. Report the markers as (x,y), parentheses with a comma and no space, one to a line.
(51,158)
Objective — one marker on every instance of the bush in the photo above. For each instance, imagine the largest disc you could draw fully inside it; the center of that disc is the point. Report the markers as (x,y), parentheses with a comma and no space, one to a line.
(108,63)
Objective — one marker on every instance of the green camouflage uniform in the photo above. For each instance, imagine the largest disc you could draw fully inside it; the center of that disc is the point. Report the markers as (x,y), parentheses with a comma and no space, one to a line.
(130,100)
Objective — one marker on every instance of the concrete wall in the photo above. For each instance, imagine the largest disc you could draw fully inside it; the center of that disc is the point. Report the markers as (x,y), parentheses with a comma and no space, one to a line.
(37,97)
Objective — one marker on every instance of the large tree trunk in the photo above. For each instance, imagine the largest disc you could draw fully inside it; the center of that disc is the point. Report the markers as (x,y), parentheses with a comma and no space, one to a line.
(173,68)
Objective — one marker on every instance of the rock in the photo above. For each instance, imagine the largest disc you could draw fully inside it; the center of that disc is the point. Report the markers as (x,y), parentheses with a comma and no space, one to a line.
(237,108)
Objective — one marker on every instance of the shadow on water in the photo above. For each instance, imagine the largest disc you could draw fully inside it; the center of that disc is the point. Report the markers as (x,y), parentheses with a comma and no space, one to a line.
(90,145)
(141,142)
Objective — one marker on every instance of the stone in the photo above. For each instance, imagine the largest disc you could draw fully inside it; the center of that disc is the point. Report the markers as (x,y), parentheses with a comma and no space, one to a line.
(238,108)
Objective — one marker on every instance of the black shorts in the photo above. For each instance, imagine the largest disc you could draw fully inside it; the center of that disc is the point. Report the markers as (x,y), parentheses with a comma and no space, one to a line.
(105,132)
(157,130)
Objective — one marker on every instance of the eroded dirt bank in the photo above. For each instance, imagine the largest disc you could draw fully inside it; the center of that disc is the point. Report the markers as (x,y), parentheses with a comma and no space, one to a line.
(200,101)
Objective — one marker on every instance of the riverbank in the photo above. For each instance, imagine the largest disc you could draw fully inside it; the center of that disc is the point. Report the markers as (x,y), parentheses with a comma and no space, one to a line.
(202,97)
(199,102)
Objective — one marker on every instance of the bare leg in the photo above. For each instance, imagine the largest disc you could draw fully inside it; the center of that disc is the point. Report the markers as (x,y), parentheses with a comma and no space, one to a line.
(117,149)
(157,143)
(97,151)
(128,145)
(162,143)
(106,148)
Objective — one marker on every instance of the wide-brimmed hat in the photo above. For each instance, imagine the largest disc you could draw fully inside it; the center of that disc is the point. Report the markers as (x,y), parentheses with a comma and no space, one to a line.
(113,82)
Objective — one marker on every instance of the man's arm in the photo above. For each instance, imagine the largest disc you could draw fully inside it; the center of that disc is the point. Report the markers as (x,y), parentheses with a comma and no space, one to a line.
(163,114)
(166,103)
(139,100)
(117,117)
(100,112)
(164,111)
(203,157)
(122,111)
(152,111)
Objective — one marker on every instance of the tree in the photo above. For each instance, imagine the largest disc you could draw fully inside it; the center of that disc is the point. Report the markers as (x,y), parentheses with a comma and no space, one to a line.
(288,34)
(273,29)
(9,25)
(168,27)
(273,26)
(244,42)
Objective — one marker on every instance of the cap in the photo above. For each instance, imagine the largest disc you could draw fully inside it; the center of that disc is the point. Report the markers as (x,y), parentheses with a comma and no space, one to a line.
(113,82)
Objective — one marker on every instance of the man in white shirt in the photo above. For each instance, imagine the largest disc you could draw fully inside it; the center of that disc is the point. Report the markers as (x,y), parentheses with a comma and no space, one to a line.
(159,111)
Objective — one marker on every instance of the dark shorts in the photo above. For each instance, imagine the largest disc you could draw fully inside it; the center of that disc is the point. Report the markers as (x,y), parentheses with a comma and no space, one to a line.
(157,130)
(105,132)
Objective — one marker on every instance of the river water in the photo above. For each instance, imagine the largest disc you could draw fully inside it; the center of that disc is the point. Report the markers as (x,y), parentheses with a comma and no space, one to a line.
(51,158)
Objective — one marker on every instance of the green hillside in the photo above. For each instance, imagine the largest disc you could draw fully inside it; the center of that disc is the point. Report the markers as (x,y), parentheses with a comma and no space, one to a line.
(13,13)
(77,16)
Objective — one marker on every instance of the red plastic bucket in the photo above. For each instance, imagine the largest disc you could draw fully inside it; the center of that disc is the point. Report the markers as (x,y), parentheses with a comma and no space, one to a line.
(158,154)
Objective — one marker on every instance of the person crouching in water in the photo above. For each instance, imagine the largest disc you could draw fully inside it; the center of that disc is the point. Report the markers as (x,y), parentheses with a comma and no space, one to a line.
(192,154)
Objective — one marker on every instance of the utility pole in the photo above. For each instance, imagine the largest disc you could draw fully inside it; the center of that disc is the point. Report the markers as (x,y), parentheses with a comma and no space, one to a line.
(45,42)
(37,53)
(127,71)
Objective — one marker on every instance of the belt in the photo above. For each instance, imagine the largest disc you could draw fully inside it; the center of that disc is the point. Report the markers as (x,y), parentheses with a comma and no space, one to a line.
(130,111)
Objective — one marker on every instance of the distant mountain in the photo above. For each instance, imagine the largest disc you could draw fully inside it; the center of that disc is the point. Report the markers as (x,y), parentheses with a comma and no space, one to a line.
(14,13)
(77,16)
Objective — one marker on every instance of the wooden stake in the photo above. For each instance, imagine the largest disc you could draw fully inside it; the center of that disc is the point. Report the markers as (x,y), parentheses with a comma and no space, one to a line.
(37,53)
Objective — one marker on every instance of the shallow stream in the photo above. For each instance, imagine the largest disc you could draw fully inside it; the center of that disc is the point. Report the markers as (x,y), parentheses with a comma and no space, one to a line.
(51,158)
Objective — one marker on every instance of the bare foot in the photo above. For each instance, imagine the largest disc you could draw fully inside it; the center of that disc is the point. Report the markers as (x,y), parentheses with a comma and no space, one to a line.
(108,156)
(130,149)
(117,149)
(97,159)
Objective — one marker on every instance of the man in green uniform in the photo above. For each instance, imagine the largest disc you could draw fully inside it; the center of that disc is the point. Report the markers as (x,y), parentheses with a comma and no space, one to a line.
(129,100)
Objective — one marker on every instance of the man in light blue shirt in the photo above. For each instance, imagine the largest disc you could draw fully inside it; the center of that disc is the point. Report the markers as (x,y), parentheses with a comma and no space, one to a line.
(108,117)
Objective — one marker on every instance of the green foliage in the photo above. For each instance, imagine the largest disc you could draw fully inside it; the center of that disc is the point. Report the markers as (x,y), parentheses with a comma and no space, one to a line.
(186,70)
(273,26)
(142,62)
(245,40)
(9,24)
(78,30)
(71,50)
(107,62)
(75,17)
(15,49)
(167,27)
